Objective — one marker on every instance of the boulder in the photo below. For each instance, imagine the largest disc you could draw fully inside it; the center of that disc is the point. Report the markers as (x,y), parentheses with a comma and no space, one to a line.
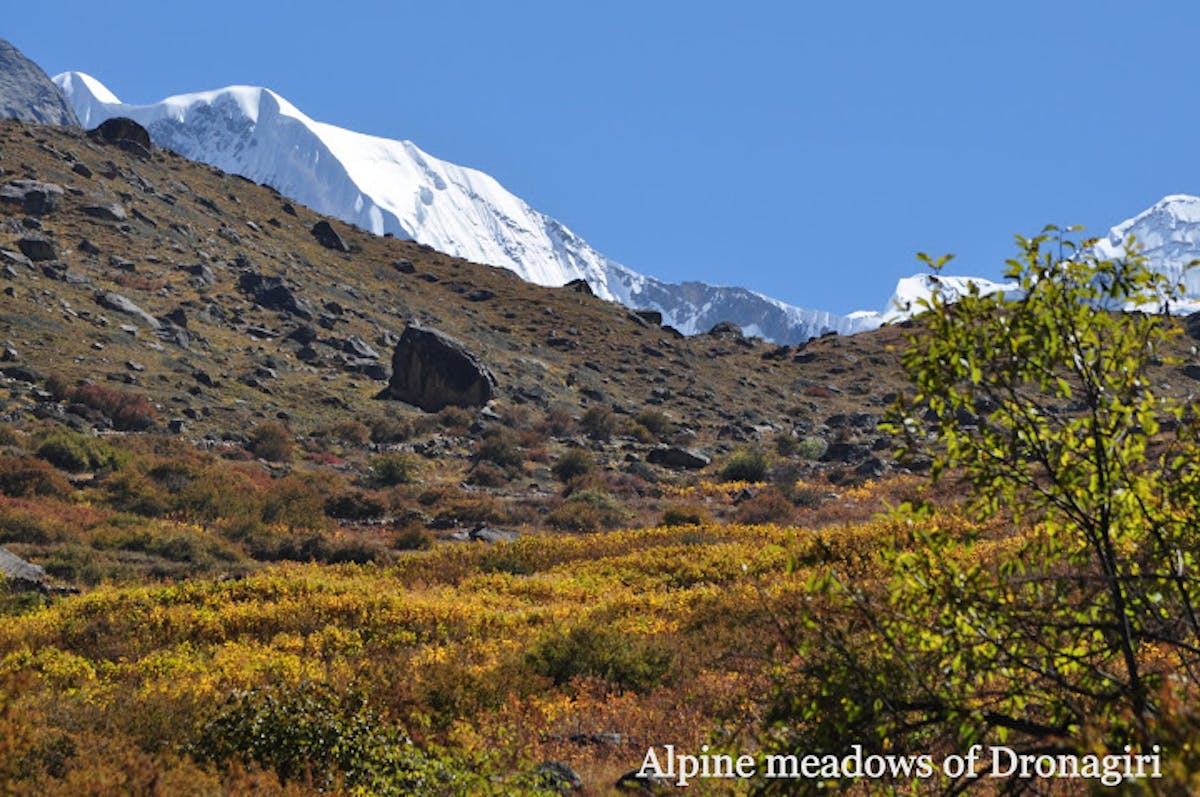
(271,293)
(488,534)
(846,452)
(558,776)
(328,237)
(37,248)
(35,198)
(122,304)
(21,573)
(652,317)
(359,348)
(580,286)
(674,457)
(105,212)
(725,329)
(432,371)
(124,133)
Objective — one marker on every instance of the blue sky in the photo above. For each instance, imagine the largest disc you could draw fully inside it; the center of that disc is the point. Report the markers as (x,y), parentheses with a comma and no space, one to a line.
(805,150)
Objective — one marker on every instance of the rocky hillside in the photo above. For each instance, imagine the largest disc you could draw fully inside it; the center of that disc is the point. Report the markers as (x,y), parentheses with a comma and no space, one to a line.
(147,293)
(213,297)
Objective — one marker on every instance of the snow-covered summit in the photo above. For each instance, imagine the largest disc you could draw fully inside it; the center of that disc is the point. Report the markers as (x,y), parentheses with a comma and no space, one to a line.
(388,186)
(1168,233)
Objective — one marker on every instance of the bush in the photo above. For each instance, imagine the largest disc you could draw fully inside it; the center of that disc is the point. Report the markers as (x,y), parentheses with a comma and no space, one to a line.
(75,452)
(625,662)
(587,510)
(297,503)
(811,448)
(499,446)
(558,422)
(272,441)
(412,539)
(574,462)
(598,423)
(485,475)
(389,430)
(393,469)
(308,732)
(25,476)
(768,506)
(656,422)
(129,412)
(351,433)
(455,419)
(11,437)
(745,466)
(355,505)
(685,516)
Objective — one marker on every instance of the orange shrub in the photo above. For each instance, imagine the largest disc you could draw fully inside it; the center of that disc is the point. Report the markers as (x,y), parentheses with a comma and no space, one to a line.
(25,476)
(129,412)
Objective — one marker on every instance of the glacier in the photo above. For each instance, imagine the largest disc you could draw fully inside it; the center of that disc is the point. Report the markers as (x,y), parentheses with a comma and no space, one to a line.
(388,186)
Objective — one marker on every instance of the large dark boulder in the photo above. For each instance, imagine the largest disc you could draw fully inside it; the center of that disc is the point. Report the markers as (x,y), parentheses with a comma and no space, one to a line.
(124,133)
(433,371)
(26,93)
(672,457)
(37,248)
(328,237)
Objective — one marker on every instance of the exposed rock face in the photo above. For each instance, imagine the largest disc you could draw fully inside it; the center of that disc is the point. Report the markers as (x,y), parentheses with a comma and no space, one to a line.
(432,371)
(26,93)
(125,133)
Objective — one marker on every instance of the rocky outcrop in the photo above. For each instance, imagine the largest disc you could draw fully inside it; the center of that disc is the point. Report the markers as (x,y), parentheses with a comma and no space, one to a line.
(124,133)
(433,371)
(26,93)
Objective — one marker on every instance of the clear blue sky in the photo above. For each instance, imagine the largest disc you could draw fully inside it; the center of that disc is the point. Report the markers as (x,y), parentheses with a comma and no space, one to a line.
(805,150)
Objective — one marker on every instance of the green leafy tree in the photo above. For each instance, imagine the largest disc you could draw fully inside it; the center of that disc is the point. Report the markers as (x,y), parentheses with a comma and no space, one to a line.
(1062,617)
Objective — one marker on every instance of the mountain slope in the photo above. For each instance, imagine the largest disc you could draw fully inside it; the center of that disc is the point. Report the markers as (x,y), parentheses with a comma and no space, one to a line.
(387,186)
(26,93)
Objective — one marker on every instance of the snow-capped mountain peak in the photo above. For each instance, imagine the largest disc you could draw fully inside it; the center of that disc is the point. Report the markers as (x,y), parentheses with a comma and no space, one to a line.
(1168,233)
(389,186)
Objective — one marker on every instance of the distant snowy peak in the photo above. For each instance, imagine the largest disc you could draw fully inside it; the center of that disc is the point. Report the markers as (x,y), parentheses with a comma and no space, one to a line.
(387,186)
(1169,235)
(911,291)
